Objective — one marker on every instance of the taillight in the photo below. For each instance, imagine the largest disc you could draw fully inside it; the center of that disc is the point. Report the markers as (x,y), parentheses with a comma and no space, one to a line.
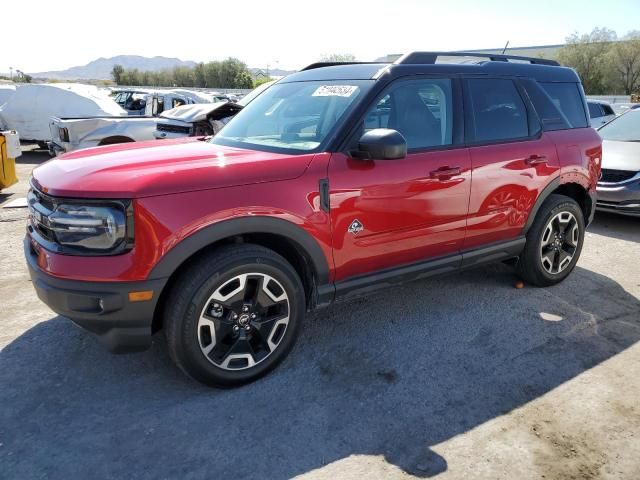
(63,133)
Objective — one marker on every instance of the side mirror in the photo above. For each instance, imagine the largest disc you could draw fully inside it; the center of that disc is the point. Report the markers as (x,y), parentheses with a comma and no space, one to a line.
(382,144)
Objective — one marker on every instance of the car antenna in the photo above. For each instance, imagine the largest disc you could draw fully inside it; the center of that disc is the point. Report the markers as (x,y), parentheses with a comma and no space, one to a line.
(505,47)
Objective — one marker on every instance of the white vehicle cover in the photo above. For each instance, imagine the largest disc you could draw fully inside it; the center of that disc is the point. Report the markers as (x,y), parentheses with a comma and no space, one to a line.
(6,92)
(29,109)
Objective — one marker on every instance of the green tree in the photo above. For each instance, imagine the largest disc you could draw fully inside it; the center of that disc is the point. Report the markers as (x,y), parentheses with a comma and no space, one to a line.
(230,73)
(624,58)
(199,75)
(260,80)
(587,54)
(116,73)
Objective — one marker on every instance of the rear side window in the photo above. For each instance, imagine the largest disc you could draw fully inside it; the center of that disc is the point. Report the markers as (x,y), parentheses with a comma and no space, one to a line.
(567,97)
(497,109)
(594,110)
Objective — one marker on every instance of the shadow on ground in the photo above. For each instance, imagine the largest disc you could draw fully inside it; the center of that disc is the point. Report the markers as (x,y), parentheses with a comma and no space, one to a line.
(616,226)
(390,375)
(33,156)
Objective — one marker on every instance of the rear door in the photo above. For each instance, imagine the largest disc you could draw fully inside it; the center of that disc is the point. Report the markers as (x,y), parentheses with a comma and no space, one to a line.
(512,160)
(386,213)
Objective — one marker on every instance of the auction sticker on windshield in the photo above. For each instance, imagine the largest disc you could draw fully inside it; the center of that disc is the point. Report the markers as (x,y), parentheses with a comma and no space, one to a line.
(335,91)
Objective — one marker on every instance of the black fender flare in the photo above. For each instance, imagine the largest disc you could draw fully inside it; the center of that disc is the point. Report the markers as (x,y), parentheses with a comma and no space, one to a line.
(544,194)
(206,236)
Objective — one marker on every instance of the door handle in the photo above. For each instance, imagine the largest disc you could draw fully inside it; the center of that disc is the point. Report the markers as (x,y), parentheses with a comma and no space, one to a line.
(535,159)
(445,173)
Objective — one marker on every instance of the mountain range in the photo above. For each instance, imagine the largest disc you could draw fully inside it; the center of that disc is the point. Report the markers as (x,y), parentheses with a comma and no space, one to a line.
(100,69)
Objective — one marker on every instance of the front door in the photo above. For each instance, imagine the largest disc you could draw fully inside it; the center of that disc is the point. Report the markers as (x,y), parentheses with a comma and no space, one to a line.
(386,213)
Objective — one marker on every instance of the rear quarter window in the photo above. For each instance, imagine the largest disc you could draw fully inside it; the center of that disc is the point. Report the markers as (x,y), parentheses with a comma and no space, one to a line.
(568,99)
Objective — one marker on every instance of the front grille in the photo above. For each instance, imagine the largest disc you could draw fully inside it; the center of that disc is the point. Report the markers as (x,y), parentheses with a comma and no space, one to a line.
(616,176)
(163,127)
(40,207)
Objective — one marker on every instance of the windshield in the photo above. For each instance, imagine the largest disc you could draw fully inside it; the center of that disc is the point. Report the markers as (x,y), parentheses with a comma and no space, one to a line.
(292,117)
(249,97)
(625,128)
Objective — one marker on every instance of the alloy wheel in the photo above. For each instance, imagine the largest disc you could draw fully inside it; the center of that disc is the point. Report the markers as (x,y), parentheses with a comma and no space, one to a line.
(559,242)
(243,321)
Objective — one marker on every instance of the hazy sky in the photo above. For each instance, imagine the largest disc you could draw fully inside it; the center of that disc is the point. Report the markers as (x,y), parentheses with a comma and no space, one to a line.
(40,35)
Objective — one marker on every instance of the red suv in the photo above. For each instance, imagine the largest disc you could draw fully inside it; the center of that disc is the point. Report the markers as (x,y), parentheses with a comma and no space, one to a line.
(337,180)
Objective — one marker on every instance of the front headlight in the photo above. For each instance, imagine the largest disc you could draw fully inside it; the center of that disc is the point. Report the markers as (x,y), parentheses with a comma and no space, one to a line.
(92,227)
(81,227)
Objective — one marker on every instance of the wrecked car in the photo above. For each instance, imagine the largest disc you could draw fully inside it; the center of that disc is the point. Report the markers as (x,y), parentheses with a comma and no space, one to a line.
(202,120)
(75,132)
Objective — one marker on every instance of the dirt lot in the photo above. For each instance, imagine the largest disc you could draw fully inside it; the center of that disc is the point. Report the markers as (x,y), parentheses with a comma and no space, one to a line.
(462,377)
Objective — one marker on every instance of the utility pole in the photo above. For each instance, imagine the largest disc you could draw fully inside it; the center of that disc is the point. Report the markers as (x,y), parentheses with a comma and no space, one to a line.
(11,73)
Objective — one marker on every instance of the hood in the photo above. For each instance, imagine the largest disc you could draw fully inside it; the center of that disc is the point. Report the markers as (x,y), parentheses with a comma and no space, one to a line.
(621,155)
(161,167)
(202,111)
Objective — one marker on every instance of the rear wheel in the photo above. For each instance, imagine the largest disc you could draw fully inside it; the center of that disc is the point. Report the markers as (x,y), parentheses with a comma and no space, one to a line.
(234,315)
(554,242)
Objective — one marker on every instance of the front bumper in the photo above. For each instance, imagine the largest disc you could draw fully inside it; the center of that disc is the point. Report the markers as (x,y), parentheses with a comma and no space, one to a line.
(103,308)
(621,198)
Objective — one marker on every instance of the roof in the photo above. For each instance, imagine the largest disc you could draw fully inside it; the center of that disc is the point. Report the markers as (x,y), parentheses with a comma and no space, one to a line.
(347,71)
(425,62)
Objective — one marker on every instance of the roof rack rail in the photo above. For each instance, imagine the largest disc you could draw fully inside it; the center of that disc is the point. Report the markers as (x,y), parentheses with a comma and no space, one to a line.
(431,57)
(333,64)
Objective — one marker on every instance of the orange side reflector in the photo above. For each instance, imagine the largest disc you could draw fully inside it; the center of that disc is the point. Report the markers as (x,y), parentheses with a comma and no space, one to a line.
(143,296)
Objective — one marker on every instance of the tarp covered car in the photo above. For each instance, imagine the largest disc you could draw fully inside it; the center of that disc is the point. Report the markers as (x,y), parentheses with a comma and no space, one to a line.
(29,109)
(6,92)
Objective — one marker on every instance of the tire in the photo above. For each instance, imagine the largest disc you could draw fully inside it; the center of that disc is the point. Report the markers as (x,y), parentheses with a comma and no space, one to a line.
(547,260)
(233,315)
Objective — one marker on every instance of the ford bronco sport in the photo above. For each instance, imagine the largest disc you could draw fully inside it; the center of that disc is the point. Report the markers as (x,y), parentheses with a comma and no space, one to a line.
(338,179)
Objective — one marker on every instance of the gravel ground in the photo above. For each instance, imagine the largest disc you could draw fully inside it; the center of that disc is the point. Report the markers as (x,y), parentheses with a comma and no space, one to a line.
(459,377)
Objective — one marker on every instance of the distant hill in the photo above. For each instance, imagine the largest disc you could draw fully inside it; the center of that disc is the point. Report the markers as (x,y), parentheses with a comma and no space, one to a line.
(100,69)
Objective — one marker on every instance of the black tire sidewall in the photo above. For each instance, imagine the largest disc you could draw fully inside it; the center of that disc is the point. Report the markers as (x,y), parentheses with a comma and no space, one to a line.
(534,271)
(187,348)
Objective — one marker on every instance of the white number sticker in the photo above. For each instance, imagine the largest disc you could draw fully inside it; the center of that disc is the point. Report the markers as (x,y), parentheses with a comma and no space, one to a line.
(335,91)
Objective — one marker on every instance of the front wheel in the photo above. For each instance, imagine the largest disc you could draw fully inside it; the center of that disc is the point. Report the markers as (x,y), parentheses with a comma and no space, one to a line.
(554,242)
(234,315)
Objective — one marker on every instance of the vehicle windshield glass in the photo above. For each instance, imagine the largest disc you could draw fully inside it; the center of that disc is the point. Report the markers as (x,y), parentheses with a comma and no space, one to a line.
(252,95)
(625,128)
(292,117)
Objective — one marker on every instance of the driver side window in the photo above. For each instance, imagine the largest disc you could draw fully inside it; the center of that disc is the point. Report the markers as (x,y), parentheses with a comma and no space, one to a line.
(421,110)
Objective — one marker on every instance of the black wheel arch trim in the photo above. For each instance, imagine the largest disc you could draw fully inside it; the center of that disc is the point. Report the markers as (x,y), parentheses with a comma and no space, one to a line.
(206,236)
(544,194)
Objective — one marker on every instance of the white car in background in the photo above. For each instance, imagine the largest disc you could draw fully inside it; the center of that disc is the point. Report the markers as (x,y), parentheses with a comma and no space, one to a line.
(77,131)
(600,113)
